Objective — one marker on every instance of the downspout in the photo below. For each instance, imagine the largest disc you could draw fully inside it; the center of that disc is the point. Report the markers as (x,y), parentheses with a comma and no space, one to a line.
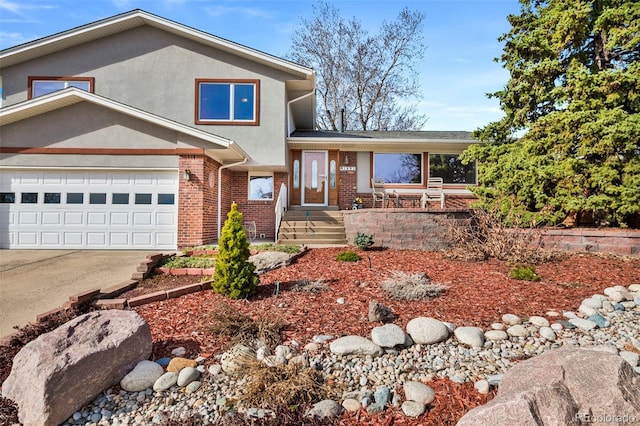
(226,166)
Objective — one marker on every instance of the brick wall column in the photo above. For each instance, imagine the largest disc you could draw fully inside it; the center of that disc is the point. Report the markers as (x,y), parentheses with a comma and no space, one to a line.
(347,181)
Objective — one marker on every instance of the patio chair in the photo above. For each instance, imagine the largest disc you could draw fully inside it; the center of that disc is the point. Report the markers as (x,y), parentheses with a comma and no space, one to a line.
(434,192)
(379,194)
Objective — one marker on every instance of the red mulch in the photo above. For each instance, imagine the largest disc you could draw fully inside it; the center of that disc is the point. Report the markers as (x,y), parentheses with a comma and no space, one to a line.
(479,293)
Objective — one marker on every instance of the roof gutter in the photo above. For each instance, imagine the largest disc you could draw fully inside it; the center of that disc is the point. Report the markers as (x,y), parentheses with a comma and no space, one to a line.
(226,166)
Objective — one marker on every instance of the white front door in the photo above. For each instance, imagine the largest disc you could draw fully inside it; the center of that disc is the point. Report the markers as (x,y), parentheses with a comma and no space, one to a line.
(315,178)
(88,209)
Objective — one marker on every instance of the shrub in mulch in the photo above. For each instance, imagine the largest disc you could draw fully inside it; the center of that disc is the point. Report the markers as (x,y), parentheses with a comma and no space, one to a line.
(281,386)
(405,286)
(524,273)
(242,329)
(309,286)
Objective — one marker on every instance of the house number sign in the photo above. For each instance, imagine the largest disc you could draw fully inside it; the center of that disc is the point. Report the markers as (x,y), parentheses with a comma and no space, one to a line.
(347,168)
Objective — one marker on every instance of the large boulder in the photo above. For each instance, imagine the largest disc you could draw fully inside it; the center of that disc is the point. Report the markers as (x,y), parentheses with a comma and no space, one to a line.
(61,371)
(567,386)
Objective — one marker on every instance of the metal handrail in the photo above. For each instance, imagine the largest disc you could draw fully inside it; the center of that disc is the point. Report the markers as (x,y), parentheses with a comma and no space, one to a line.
(281,206)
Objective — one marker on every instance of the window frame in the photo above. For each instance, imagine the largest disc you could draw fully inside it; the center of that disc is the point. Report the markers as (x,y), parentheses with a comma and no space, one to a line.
(423,170)
(260,175)
(33,79)
(231,121)
(457,155)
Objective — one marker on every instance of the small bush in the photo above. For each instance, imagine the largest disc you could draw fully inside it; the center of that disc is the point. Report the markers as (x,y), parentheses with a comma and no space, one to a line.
(488,235)
(348,256)
(404,286)
(235,276)
(363,241)
(281,385)
(524,273)
(242,329)
(310,286)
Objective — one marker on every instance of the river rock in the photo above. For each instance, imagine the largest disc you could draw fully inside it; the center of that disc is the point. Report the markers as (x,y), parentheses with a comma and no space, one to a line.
(511,319)
(355,345)
(495,335)
(539,321)
(471,336)
(177,364)
(325,409)
(424,330)
(388,335)
(187,375)
(548,333)
(583,324)
(94,351)
(517,331)
(142,377)
(165,381)
(413,408)
(419,392)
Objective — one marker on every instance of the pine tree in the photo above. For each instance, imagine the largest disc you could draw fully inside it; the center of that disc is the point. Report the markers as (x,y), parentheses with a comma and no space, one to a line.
(234,275)
(574,95)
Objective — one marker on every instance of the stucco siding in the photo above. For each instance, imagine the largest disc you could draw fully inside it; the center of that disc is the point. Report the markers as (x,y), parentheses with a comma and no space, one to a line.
(155,71)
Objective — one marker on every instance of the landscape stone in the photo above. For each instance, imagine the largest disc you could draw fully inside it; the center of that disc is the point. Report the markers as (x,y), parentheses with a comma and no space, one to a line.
(165,381)
(187,375)
(177,364)
(631,357)
(382,395)
(593,302)
(419,392)
(587,310)
(380,313)
(94,351)
(497,326)
(424,330)
(559,386)
(556,326)
(413,408)
(548,333)
(495,335)
(388,335)
(142,377)
(482,386)
(517,331)
(583,324)
(325,409)
(511,319)
(192,387)
(179,351)
(635,288)
(471,336)
(355,345)
(234,360)
(351,405)
(600,321)
(539,321)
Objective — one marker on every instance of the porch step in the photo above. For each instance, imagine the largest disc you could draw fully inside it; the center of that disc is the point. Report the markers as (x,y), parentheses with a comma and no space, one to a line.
(312,227)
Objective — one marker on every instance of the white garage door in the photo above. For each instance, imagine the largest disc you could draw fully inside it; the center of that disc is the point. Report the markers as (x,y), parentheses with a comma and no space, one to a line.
(88,209)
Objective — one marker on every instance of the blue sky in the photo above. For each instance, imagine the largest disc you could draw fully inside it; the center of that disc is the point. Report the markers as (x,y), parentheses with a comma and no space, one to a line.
(460,38)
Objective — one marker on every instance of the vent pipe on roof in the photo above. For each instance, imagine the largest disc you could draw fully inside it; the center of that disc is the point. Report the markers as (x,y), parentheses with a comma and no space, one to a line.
(342,120)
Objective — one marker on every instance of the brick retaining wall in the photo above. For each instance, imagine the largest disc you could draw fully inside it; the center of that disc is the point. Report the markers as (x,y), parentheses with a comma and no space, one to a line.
(425,229)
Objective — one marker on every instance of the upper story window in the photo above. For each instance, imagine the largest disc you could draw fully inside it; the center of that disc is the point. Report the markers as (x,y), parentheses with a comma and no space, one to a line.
(451,169)
(227,102)
(39,86)
(399,168)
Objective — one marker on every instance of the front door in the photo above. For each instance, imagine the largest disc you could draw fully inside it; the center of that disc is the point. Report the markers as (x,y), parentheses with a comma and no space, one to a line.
(314,178)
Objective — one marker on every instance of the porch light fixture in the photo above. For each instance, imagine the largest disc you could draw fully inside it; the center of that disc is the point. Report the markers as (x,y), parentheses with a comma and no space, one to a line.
(186,175)
(346,159)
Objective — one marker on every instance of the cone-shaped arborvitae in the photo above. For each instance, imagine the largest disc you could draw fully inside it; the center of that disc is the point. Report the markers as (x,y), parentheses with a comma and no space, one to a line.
(235,276)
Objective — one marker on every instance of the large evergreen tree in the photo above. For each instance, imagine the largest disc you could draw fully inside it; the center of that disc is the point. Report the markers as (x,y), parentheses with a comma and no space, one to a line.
(574,96)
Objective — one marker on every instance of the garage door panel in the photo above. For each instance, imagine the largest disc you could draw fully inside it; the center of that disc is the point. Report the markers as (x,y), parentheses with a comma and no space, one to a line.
(71,217)
(50,238)
(51,218)
(119,219)
(119,239)
(28,239)
(74,239)
(27,218)
(96,218)
(142,218)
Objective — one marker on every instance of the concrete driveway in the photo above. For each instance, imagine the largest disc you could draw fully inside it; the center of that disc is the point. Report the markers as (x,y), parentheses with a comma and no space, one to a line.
(37,281)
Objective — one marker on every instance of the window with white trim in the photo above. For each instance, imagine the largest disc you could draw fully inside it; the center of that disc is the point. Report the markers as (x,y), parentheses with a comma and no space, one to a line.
(400,168)
(261,186)
(227,101)
(39,86)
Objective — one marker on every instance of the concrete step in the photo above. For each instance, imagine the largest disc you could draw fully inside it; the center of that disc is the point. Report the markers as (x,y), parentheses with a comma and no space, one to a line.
(312,227)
